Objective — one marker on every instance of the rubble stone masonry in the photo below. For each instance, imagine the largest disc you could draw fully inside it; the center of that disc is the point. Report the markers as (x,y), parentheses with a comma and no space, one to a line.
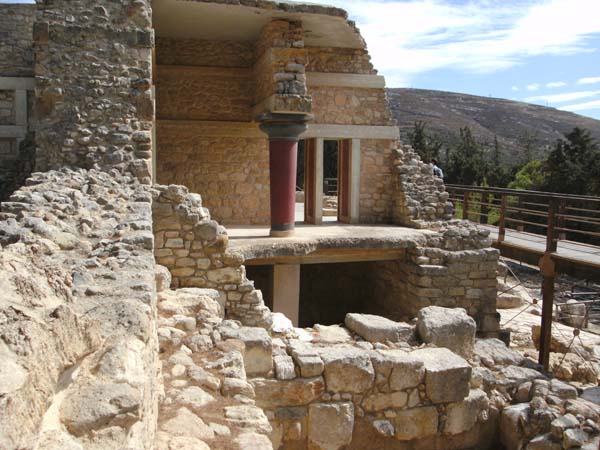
(93,85)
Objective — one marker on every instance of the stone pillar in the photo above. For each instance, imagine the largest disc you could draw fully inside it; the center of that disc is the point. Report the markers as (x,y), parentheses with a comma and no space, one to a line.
(283,131)
(286,290)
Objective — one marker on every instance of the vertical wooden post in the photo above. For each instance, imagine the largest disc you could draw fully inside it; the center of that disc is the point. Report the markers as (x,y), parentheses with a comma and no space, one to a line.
(465,214)
(502,223)
(483,208)
(547,269)
(520,214)
(562,209)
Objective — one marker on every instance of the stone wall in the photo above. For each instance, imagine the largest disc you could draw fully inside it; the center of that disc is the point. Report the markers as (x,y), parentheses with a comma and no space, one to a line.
(196,52)
(194,249)
(93,85)
(189,93)
(457,269)
(77,314)
(350,106)
(339,60)
(377,189)
(16,44)
(420,197)
(231,173)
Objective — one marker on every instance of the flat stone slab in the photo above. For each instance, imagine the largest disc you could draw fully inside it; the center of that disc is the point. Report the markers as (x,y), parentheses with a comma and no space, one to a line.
(447,375)
(378,329)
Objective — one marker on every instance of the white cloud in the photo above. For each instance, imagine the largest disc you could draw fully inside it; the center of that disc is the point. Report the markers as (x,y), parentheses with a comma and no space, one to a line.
(594,104)
(409,37)
(555,84)
(561,98)
(532,87)
(514,88)
(589,80)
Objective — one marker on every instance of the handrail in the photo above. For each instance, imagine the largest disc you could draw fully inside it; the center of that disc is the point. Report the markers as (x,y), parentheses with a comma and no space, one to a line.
(523,192)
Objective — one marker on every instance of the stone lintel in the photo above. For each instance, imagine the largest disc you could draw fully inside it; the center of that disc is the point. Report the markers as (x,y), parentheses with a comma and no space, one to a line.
(331,131)
(350,80)
(17,83)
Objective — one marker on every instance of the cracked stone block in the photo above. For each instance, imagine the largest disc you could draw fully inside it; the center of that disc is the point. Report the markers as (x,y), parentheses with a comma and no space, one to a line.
(462,416)
(447,327)
(416,423)
(258,359)
(347,370)
(330,425)
(447,375)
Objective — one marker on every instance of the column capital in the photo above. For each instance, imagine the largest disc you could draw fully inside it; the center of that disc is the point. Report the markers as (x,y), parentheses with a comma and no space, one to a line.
(284,127)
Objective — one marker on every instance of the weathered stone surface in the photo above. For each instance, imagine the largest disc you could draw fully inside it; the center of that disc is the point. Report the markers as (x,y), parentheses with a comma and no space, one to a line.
(347,370)
(416,423)
(379,402)
(247,416)
(99,405)
(306,358)
(194,397)
(574,437)
(331,334)
(447,375)
(494,352)
(447,327)
(235,386)
(258,359)
(463,416)
(284,367)
(378,329)
(299,391)
(511,429)
(406,371)
(543,442)
(330,425)
(187,424)
(253,441)
(562,423)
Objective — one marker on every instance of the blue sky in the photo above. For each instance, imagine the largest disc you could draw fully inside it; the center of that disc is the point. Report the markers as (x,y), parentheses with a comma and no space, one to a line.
(539,51)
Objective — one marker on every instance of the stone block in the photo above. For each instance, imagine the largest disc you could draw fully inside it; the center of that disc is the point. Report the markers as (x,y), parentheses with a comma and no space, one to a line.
(401,369)
(447,375)
(447,327)
(462,416)
(330,425)
(379,402)
(511,430)
(378,329)
(416,423)
(307,358)
(258,359)
(284,367)
(296,392)
(347,369)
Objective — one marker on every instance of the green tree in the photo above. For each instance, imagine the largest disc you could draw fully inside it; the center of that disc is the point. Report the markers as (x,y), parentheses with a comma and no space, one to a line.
(466,164)
(497,174)
(530,177)
(573,167)
(426,147)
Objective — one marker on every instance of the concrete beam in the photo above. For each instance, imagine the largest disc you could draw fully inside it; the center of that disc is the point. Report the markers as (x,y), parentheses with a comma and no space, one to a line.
(319,183)
(355,181)
(17,83)
(286,290)
(328,131)
(351,80)
(325,256)
(21,107)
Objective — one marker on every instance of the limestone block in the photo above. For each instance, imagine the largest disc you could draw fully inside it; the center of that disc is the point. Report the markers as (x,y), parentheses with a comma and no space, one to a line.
(416,423)
(296,392)
(331,334)
(379,402)
(97,405)
(235,386)
(543,442)
(403,370)
(307,358)
(511,430)
(258,358)
(284,367)
(494,352)
(248,416)
(194,397)
(447,327)
(189,302)
(574,437)
(384,427)
(330,425)
(226,275)
(162,277)
(447,375)
(562,423)
(347,369)
(462,416)
(253,441)
(378,329)
(186,423)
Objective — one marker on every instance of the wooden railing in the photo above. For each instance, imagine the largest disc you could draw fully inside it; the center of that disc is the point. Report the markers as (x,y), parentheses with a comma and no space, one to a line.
(555,216)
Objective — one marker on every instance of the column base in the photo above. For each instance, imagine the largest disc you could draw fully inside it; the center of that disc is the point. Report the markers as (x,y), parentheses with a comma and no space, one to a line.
(282,233)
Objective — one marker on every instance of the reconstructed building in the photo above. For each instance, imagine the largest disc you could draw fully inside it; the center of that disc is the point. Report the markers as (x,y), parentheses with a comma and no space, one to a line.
(148,127)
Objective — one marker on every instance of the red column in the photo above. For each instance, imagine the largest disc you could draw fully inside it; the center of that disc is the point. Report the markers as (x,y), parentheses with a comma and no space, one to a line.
(283,156)
(283,131)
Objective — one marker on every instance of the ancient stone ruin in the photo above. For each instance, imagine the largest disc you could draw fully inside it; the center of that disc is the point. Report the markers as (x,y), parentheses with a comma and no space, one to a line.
(157,293)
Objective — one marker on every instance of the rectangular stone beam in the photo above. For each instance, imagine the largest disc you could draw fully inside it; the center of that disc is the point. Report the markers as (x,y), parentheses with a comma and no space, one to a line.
(350,80)
(330,131)
(286,290)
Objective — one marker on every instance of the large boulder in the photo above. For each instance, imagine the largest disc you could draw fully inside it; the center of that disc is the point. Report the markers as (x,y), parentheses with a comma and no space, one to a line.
(447,327)
(330,425)
(462,416)
(378,329)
